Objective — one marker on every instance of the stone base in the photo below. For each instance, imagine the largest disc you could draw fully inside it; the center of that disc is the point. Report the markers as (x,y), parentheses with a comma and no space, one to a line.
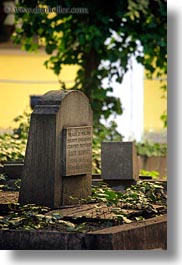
(76,188)
(120,185)
(145,235)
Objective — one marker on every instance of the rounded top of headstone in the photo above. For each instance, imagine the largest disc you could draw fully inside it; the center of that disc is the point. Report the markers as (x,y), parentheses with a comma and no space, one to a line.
(55,97)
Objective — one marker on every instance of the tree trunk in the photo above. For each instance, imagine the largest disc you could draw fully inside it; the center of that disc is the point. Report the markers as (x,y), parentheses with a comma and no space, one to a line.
(90,79)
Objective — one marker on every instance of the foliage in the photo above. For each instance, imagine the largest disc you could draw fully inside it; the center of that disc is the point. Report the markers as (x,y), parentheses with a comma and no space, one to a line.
(11,148)
(105,194)
(28,217)
(6,187)
(163,116)
(149,149)
(141,196)
(154,174)
(101,42)
(22,125)
(145,192)
(12,145)
(34,217)
(136,196)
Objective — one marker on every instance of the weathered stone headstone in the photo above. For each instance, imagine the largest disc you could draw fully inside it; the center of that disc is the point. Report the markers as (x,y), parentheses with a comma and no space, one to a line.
(119,161)
(58,160)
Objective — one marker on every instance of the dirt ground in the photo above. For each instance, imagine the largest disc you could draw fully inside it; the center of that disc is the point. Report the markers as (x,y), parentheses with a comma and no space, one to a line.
(86,218)
(8,196)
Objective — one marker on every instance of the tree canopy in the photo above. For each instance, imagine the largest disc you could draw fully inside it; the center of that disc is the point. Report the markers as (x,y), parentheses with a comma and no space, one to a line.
(101,40)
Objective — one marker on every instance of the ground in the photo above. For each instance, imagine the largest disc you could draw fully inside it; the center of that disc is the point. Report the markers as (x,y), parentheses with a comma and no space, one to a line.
(85,217)
(8,196)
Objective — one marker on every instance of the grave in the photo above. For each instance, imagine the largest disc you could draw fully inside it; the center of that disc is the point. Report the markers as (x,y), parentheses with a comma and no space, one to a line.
(149,234)
(119,163)
(58,161)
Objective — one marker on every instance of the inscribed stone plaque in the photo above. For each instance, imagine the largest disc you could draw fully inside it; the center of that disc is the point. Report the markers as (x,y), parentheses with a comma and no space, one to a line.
(77,153)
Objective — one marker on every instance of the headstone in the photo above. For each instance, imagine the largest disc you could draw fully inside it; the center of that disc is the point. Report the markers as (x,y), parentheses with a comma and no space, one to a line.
(119,161)
(58,160)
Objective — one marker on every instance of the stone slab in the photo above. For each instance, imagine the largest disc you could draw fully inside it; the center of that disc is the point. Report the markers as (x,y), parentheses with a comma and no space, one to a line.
(101,211)
(13,169)
(119,161)
(146,235)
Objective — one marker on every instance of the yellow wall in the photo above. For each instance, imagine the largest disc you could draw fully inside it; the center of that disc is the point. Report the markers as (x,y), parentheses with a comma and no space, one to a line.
(27,68)
(20,66)
(154,105)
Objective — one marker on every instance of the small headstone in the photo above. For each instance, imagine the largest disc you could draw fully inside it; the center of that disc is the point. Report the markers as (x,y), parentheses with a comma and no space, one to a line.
(58,160)
(119,161)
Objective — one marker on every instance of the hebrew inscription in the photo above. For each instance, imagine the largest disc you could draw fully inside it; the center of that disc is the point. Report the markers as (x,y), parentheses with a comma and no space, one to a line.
(77,151)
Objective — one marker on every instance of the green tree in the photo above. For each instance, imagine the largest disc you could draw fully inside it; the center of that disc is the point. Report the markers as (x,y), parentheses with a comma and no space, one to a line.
(100,38)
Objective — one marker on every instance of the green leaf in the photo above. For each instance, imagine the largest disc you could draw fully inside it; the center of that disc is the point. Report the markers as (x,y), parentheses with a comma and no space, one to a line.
(57,215)
(67,223)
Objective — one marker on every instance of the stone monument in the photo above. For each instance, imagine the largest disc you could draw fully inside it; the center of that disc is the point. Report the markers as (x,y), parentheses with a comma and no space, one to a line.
(58,160)
(119,161)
